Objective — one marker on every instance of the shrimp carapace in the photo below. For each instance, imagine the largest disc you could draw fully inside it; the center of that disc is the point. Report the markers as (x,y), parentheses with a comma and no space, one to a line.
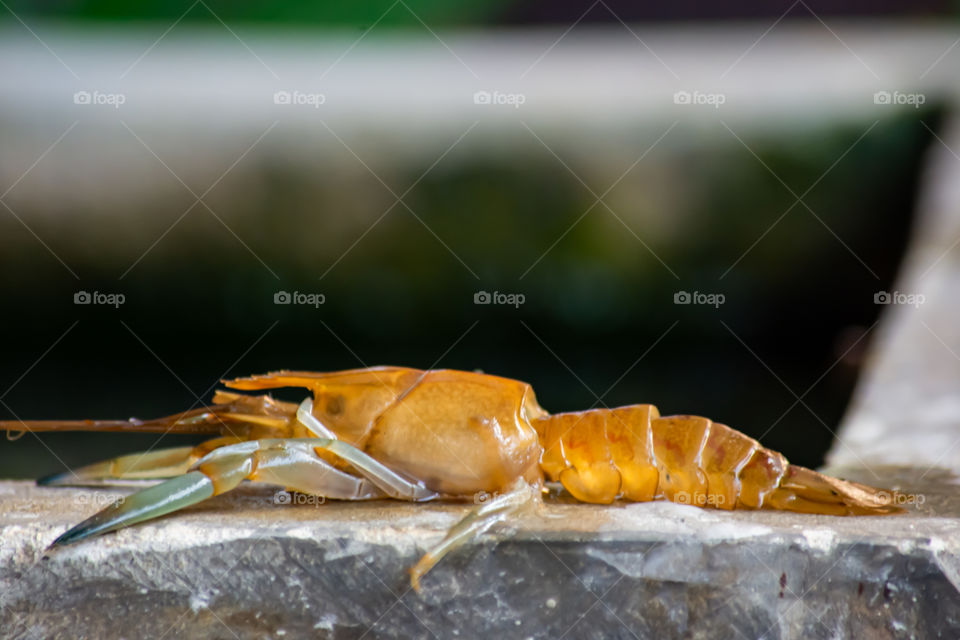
(460,432)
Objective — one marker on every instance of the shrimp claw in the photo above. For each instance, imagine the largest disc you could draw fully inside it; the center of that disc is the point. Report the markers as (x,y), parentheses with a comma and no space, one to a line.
(293,462)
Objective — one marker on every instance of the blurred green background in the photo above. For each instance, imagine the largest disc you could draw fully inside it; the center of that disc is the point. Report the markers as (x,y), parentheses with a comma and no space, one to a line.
(598,300)
(701,214)
(469,13)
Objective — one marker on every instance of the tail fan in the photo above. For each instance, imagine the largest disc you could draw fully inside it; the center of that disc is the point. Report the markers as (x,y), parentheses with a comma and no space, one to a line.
(803,490)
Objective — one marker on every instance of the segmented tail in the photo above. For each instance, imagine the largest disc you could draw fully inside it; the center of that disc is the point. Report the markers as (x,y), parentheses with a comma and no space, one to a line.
(634,454)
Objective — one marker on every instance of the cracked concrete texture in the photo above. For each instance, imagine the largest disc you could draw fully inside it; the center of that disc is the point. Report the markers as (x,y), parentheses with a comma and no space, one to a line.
(243,566)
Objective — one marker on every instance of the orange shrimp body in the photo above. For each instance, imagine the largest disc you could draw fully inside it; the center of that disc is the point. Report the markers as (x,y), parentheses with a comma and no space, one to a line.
(461,433)
(408,434)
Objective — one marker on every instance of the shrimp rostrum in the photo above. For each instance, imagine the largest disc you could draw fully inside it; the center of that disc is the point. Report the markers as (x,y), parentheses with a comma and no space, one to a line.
(409,434)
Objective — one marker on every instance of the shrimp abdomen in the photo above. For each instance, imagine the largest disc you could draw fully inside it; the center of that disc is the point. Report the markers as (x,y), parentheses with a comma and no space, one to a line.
(634,454)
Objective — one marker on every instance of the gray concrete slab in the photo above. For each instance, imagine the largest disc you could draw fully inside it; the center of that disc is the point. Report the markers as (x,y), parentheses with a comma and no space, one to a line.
(243,566)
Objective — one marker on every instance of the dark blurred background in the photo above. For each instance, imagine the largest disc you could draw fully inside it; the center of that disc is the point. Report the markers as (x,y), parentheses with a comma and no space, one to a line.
(513,212)
(467,13)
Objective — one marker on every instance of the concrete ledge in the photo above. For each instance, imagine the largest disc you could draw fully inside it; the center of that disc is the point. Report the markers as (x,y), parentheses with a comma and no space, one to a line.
(906,410)
(243,566)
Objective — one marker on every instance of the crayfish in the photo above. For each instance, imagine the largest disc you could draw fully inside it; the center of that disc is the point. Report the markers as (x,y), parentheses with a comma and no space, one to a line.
(410,434)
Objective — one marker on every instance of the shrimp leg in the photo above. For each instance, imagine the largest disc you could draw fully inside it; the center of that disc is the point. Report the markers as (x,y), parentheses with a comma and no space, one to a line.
(162,463)
(478,520)
(392,483)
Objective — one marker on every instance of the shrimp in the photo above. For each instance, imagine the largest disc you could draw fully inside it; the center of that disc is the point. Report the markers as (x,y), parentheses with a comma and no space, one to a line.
(419,435)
